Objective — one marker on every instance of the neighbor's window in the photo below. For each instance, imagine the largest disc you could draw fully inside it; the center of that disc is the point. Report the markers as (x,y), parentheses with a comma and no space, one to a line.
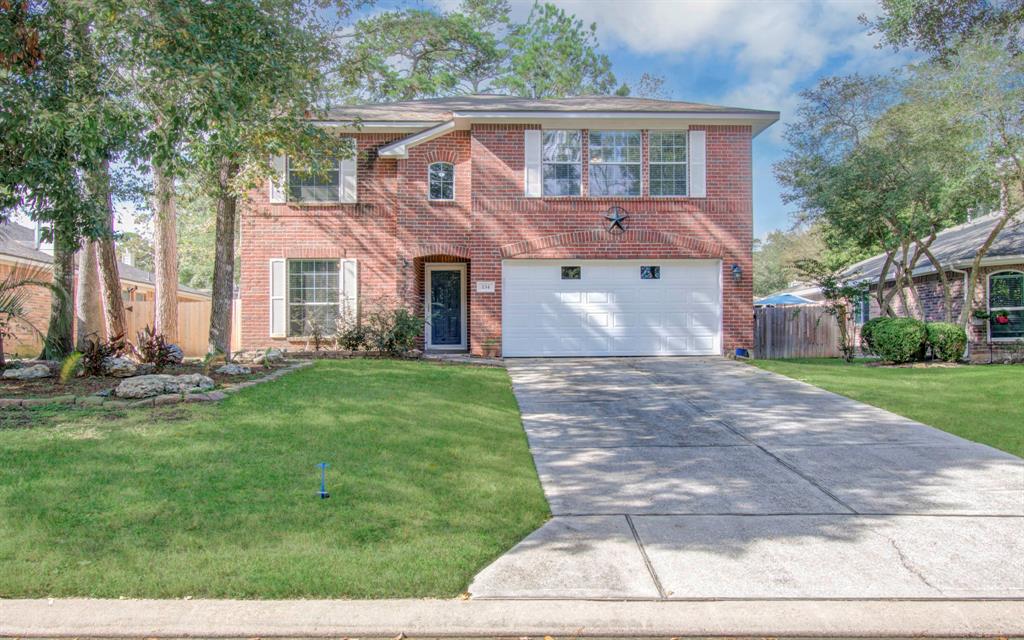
(668,163)
(650,273)
(313,290)
(862,309)
(614,163)
(561,157)
(1006,293)
(318,183)
(571,273)
(442,181)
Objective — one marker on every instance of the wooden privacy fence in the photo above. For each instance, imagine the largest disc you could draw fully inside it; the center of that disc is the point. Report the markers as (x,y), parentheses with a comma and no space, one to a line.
(193,324)
(795,331)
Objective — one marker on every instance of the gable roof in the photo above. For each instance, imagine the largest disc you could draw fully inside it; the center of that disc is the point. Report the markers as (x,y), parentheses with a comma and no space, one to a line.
(957,246)
(18,242)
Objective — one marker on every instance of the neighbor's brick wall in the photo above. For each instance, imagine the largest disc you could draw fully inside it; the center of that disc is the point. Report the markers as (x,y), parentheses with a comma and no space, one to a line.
(25,342)
(395,229)
(927,296)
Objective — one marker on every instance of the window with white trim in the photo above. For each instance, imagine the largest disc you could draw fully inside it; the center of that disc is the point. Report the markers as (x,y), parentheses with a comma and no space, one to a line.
(667,163)
(1006,305)
(614,163)
(862,308)
(314,289)
(561,159)
(441,179)
(319,182)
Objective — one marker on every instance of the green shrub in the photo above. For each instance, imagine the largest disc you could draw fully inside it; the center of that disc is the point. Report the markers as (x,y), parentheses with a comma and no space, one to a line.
(352,337)
(867,344)
(392,331)
(899,339)
(947,340)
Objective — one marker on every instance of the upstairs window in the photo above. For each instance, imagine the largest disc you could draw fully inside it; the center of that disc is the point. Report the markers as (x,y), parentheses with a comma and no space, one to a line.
(561,157)
(320,182)
(614,163)
(1006,295)
(668,160)
(441,176)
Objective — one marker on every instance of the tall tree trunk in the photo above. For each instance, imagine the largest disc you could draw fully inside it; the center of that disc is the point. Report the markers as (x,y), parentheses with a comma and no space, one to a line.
(88,311)
(224,262)
(106,258)
(58,331)
(165,250)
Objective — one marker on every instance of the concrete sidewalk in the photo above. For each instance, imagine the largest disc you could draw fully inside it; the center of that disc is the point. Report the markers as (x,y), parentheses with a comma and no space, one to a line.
(477,618)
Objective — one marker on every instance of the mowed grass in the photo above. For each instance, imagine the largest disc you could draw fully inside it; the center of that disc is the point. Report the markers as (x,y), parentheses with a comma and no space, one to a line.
(430,479)
(983,403)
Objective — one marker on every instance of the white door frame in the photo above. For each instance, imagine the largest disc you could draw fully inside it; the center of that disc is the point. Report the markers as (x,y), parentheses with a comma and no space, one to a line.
(428,270)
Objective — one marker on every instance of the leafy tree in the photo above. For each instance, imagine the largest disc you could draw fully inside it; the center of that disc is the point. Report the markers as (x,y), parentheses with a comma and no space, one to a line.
(58,126)
(553,55)
(939,27)
(648,86)
(775,259)
(417,53)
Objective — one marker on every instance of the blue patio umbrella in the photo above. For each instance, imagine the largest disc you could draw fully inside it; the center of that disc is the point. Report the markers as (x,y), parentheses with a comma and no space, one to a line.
(782,298)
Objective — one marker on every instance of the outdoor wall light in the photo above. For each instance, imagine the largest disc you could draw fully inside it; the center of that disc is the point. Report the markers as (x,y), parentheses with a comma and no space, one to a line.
(737,272)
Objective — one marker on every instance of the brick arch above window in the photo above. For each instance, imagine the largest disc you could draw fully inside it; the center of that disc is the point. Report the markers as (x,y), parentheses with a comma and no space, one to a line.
(661,242)
(441,155)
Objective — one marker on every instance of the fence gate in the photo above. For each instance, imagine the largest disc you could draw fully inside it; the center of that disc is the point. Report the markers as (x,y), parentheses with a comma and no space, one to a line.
(795,331)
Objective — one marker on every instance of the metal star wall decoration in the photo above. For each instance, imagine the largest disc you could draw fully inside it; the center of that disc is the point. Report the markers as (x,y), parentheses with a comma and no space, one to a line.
(616,216)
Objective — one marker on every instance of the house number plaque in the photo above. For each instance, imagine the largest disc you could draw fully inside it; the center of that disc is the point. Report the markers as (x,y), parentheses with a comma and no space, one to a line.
(485,286)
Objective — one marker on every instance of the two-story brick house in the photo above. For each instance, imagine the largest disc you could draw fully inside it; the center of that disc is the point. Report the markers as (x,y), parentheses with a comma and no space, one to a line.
(581,226)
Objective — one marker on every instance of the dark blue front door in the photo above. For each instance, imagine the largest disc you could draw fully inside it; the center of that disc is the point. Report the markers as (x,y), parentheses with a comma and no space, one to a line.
(446,307)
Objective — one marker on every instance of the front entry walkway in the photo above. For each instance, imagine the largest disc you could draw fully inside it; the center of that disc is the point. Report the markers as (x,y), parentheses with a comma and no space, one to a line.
(681,478)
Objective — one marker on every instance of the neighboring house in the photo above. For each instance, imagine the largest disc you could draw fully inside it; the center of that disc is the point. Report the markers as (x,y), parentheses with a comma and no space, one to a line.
(19,249)
(1001,286)
(581,226)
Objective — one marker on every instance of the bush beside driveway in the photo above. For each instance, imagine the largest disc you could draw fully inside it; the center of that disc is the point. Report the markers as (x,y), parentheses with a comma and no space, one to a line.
(430,479)
(983,403)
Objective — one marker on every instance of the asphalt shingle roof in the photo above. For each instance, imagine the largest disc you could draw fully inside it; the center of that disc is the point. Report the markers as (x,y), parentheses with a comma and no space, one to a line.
(440,109)
(957,245)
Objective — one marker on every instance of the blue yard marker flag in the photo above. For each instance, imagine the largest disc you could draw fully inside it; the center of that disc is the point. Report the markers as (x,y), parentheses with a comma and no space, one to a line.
(323,481)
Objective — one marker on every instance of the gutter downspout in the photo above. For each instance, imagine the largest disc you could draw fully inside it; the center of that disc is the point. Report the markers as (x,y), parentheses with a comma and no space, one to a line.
(967,347)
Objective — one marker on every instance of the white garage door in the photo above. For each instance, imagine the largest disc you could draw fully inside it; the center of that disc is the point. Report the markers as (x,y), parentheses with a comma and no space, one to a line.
(611,307)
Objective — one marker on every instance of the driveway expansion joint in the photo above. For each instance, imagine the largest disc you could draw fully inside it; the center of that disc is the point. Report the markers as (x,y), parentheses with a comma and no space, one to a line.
(647,560)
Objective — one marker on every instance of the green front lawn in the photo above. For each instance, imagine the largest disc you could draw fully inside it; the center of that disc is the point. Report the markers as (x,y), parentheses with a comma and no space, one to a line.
(430,479)
(984,403)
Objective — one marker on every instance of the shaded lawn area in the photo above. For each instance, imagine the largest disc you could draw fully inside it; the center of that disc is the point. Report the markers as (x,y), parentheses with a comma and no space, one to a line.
(430,479)
(983,403)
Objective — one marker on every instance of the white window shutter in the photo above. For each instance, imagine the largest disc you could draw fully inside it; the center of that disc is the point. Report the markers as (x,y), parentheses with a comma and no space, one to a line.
(278,319)
(279,181)
(698,164)
(347,182)
(532,144)
(349,289)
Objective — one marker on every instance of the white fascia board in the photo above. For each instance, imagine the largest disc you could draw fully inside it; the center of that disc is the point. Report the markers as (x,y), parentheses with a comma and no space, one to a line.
(758,121)
(400,148)
(377,126)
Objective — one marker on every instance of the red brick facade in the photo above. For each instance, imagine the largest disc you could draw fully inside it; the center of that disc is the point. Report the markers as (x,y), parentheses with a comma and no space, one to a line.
(926,301)
(394,229)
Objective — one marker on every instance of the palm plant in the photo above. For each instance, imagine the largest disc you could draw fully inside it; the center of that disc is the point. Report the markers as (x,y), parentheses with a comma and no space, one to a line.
(15,292)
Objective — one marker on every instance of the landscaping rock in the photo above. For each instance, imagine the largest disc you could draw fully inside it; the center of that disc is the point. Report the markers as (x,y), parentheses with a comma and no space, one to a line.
(158,384)
(28,373)
(175,353)
(233,370)
(120,367)
(270,356)
(145,368)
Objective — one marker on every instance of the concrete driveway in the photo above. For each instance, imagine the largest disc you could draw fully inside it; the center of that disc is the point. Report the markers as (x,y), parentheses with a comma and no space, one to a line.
(706,478)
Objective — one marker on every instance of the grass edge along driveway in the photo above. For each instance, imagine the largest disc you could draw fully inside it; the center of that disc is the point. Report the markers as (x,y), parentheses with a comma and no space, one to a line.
(983,403)
(430,479)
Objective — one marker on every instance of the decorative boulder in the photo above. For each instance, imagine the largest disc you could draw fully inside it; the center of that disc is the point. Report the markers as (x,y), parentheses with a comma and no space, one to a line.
(175,354)
(120,367)
(158,384)
(270,356)
(28,373)
(233,370)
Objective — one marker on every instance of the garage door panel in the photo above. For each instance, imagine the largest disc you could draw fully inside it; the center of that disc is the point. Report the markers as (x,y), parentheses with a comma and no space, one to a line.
(610,310)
